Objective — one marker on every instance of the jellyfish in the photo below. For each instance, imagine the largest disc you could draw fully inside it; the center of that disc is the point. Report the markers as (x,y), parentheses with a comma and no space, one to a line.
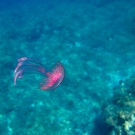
(51,80)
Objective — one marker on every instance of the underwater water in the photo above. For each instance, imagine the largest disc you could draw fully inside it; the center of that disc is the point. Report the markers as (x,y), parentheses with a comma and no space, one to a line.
(94,40)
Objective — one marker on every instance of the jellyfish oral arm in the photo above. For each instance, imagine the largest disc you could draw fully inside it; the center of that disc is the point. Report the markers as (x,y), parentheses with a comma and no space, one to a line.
(18,66)
(27,64)
(18,75)
(22,59)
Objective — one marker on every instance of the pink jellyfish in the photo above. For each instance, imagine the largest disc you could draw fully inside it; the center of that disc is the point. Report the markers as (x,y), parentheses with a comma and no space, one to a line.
(51,79)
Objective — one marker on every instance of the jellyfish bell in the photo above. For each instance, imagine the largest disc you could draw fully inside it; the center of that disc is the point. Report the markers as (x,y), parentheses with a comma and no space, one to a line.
(53,78)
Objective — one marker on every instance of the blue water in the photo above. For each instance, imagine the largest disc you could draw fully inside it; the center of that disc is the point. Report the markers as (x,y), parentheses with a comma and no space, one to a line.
(95,42)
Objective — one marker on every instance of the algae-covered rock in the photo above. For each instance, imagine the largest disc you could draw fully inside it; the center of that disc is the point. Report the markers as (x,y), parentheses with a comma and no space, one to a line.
(120,114)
